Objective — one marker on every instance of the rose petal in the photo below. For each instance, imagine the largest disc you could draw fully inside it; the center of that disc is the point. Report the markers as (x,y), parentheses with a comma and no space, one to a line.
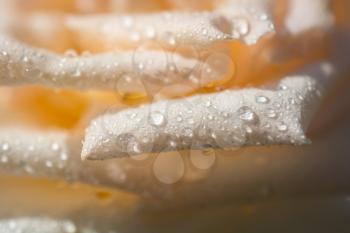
(229,119)
(23,65)
(232,20)
(39,225)
(36,153)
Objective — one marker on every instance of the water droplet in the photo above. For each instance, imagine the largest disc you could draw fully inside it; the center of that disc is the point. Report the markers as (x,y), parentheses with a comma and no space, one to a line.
(263,17)
(270,113)
(55,146)
(48,164)
(31,148)
(188,132)
(25,59)
(170,39)
(282,127)
(127,21)
(150,32)
(133,115)
(208,103)
(193,79)
(69,228)
(179,118)
(133,148)
(262,99)
(5,146)
(172,143)
(292,101)
(157,119)
(249,130)
(283,87)
(64,156)
(247,114)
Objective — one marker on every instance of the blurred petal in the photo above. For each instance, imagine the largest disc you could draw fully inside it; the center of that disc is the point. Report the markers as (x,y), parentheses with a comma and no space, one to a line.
(305,15)
(234,20)
(39,225)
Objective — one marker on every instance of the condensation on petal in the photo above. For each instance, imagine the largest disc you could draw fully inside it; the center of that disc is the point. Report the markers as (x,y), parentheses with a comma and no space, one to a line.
(231,20)
(39,225)
(23,65)
(249,20)
(230,119)
(35,153)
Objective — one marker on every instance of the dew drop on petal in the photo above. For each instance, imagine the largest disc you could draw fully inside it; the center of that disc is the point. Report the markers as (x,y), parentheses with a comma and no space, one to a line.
(5,147)
(247,114)
(157,119)
(241,26)
(260,99)
(55,146)
(179,118)
(282,127)
(270,113)
(127,21)
(150,32)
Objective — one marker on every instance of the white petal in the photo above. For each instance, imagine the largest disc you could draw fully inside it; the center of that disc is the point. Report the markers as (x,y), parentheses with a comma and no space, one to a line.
(229,119)
(38,225)
(35,153)
(232,20)
(21,65)
(305,15)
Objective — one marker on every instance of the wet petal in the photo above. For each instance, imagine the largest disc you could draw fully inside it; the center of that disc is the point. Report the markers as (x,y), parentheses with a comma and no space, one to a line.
(35,153)
(24,65)
(39,225)
(224,120)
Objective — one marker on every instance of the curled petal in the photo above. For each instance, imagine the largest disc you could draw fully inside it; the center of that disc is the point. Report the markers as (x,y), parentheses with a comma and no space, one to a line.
(232,20)
(250,19)
(23,65)
(231,119)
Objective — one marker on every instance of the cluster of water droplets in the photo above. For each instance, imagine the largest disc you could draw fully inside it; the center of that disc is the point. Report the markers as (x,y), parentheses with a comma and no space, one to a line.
(201,125)
(34,155)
